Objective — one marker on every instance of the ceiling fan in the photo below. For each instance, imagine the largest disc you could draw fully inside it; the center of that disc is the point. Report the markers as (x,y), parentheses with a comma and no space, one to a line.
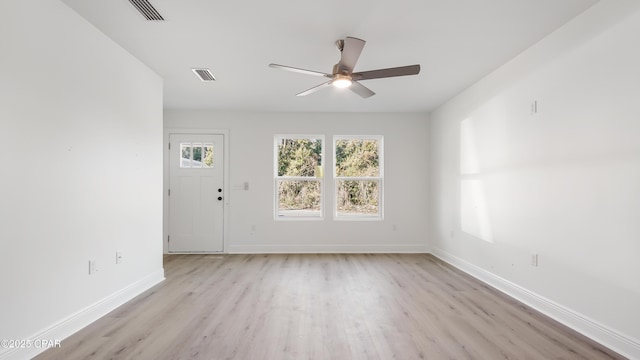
(343,76)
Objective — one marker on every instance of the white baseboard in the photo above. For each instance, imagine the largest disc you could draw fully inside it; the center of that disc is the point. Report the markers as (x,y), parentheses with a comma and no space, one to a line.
(325,249)
(72,324)
(624,345)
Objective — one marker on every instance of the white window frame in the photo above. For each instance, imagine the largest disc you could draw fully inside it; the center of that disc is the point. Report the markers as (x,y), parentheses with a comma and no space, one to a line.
(380,178)
(276,140)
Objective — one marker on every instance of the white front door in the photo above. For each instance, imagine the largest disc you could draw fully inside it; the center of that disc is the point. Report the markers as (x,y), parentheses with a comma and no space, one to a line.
(196,194)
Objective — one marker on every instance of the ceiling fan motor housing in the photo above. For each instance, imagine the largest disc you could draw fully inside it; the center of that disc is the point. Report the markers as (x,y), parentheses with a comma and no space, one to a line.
(338,70)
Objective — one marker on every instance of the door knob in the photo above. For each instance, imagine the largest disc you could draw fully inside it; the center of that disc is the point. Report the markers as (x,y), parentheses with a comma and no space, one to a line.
(219,190)
(219,197)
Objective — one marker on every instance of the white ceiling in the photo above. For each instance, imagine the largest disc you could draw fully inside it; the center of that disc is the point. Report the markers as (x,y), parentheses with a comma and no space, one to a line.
(457,42)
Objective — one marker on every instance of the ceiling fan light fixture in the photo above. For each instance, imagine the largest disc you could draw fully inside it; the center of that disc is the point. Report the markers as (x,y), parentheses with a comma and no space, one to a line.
(341,81)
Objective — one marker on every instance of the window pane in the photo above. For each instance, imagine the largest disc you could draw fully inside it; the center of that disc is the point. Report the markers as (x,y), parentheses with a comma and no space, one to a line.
(298,198)
(299,157)
(185,155)
(208,155)
(358,197)
(356,157)
(197,156)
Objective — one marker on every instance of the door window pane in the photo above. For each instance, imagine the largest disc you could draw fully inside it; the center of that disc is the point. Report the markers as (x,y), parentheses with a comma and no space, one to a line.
(197,156)
(185,155)
(208,156)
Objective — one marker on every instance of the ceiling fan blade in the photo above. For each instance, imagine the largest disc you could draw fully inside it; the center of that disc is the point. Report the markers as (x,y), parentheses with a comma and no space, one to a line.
(300,71)
(314,89)
(350,53)
(361,90)
(390,72)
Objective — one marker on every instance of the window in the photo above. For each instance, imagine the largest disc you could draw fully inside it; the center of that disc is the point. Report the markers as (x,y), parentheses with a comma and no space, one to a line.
(298,176)
(195,155)
(358,175)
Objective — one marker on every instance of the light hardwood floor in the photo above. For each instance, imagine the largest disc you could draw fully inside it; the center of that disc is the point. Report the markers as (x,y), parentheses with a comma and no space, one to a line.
(323,307)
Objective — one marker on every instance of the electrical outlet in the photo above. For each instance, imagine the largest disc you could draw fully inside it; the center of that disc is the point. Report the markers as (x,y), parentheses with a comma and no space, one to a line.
(118,257)
(534,260)
(93,267)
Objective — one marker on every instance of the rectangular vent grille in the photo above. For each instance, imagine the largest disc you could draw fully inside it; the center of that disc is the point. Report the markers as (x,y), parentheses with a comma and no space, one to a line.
(204,74)
(147,10)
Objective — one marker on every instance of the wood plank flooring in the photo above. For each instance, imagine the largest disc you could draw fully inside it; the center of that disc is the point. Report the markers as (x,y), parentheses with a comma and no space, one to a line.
(323,306)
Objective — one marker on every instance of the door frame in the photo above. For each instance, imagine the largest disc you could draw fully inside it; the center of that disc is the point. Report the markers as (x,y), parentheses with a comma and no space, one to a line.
(166,181)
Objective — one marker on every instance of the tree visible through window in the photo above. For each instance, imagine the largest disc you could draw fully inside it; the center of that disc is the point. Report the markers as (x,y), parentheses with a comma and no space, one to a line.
(298,177)
(358,176)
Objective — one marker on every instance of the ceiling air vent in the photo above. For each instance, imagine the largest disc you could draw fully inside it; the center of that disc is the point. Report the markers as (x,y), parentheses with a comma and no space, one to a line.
(147,10)
(204,74)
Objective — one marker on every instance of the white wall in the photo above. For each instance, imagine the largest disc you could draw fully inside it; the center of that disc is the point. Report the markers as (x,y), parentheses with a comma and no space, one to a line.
(563,183)
(251,160)
(80,148)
